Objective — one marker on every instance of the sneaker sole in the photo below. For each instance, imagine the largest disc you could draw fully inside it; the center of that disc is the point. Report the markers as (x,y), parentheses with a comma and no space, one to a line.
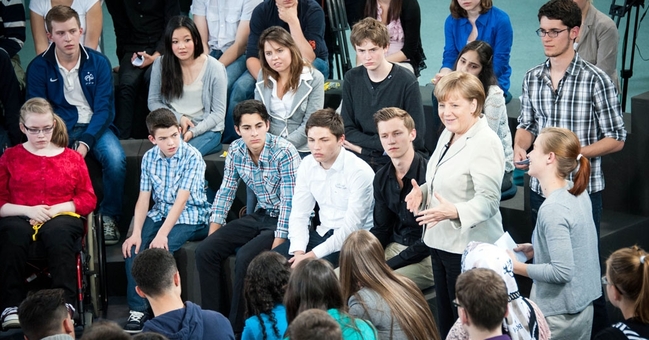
(130,331)
(11,324)
(110,242)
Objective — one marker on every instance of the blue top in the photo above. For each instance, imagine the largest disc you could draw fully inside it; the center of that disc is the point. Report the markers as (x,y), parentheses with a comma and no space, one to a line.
(164,177)
(252,329)
(191,323)
(364,330)
(95,76)
(494,28)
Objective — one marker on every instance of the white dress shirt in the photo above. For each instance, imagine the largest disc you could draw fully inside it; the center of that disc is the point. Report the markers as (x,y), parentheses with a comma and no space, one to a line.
(345,195)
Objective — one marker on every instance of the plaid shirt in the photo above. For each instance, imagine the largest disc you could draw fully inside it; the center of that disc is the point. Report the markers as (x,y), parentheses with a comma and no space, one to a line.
(586,102)
(185,170)
(272,180)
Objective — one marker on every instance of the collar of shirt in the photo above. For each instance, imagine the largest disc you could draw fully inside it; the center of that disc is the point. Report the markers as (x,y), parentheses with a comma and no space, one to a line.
(178,155)
(573,67)
(68,75)
(413,171)
(339,163)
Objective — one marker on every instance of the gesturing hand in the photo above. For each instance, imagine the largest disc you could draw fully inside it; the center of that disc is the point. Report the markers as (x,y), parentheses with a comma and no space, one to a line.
(414,198)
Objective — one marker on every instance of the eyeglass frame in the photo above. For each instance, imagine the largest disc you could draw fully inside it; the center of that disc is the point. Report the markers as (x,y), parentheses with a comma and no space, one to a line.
(606,282)
(456,304)
(36,132)
(551,33)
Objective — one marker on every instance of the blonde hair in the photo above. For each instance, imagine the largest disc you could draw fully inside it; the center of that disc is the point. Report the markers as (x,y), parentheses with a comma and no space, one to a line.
(566,148)
(362,264)
(628,272)
(464,84)
(41,106)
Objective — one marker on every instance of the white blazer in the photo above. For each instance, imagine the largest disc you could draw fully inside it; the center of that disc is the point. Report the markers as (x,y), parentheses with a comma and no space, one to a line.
(469,176)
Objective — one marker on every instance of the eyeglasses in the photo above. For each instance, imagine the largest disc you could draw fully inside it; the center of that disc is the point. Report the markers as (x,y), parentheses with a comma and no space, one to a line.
(605,281)
(34,131)
(456,304)
(551,33)
(70,309)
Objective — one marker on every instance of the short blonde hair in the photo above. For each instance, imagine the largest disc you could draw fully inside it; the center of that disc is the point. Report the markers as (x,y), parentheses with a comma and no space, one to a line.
(464,84)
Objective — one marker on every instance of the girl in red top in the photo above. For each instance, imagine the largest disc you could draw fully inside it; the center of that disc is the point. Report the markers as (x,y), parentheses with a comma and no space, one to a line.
(39,180)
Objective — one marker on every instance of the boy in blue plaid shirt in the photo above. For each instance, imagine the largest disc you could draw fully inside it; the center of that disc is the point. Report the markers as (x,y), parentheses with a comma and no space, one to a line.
(173,173)
(267,164)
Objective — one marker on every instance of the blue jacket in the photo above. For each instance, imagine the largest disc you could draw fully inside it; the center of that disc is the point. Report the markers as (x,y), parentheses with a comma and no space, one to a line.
(95,76)
(494,28)
(191,323)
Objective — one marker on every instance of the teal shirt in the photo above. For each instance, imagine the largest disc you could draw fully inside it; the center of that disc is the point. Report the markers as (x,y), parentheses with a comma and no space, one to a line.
(363,331)
(252,329)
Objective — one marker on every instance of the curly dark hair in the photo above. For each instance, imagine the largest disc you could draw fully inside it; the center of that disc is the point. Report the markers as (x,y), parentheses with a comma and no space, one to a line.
(264,287)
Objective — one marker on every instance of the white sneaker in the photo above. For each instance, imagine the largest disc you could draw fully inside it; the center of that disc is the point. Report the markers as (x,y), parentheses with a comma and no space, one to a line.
(10,318)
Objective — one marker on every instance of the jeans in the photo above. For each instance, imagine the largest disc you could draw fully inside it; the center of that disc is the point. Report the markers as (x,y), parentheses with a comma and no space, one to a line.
(234,70)
(243,88)
(108,151)
(600,314)
(252,234)
(322,66)
(207,143)
(130,111)
(314,240)
(60,237)
(446,268)
(179,234)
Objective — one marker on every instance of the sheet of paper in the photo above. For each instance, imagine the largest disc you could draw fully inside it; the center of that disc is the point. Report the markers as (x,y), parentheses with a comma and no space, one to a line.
(507,242)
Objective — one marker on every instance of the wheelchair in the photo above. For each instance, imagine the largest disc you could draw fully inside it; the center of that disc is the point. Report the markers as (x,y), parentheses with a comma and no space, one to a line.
(92,297)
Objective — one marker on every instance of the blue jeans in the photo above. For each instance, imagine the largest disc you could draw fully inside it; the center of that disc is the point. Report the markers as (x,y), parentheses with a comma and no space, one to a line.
(108,151)
(234,70)
(243,88)
(207,143)
(178,235)
(322,66)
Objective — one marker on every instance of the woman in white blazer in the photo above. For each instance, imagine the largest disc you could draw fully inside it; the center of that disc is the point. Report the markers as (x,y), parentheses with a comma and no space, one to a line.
(459,201)
(288,86)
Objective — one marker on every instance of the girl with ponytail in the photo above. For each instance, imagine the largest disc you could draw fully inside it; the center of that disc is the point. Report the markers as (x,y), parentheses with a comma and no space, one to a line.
(565,269)
(627,287)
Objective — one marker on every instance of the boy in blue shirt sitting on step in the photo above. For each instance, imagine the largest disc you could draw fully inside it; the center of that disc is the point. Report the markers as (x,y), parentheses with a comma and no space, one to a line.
(173,173)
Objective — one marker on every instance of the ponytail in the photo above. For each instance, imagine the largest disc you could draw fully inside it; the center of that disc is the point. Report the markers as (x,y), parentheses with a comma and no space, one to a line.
(628,271)
(582,177)
(60,133)
(642,302)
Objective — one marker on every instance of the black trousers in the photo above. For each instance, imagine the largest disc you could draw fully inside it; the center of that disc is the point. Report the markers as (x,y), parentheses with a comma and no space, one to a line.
(11,99)
(446,268)
(60,237)
(247,237)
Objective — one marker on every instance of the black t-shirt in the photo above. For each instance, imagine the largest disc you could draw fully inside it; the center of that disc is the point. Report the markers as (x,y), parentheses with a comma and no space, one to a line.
(629,329)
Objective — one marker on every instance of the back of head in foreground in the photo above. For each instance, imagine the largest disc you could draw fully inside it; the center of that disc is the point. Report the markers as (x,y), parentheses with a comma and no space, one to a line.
(314,324)
(44,314)
(627,274)
(482,301)
(154,272)
(362,264)
(312,284)
(105,330)
(264,286)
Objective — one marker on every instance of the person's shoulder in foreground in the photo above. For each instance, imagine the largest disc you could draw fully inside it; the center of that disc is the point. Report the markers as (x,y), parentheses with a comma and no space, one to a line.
(191,323)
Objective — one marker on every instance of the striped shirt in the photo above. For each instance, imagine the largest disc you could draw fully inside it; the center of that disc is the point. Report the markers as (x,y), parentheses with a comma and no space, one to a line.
(185,170)
(12,26)
(272,180)
(585,102)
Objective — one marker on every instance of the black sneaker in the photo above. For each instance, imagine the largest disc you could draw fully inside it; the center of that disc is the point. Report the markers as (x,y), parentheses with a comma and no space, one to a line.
(111,232)
(9,318)
(136,321)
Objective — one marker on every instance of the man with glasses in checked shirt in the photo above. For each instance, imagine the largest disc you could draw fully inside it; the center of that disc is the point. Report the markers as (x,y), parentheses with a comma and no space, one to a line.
(567,91)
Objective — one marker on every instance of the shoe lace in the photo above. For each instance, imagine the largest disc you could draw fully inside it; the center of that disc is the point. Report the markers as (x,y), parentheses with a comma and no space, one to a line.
(9,311)
(135,316)
(109,229)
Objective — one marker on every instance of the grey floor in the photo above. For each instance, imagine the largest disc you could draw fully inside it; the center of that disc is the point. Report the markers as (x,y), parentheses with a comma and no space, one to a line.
(526,50)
